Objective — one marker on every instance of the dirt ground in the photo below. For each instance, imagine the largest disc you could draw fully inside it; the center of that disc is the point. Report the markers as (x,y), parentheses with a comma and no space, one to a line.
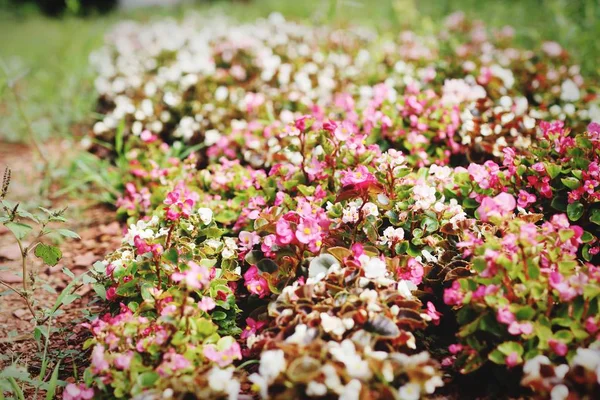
(99,233)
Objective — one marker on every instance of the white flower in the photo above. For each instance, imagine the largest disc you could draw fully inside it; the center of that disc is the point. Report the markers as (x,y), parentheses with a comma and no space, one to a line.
(391,234)
(141,229)
(332,380)
(587,358)
(211,137)
(559,392)
(302,335)
(351,390)
(410,391)
(424,196)
(375,268)
(531,368)
(316,389)
(333,325)
(221,380)
(350,214)
(569,91)
(370,209)
(261,383)
(206,215)
(345,352)
(432,383)
(217,378)
(405,288)
(272,363)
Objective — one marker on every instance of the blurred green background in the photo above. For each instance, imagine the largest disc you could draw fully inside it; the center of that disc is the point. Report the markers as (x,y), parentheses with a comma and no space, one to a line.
(44,60)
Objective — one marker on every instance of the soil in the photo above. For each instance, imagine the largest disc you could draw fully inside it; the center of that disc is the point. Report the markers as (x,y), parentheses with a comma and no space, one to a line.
(99,233)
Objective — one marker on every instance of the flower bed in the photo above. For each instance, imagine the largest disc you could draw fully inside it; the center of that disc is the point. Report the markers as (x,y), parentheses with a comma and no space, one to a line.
(336,214)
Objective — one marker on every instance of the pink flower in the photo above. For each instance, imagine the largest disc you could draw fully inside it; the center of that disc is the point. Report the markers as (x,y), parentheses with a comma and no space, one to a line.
(111,293)
(433,313)
(308,231)
(591,325)
(453,296)
(558,347)
(300,123)
(180,202)
(78,392)
(247,240)
(498,206)
(413,271)
(148,137)
(255,283)
(223,357)
(99,363)
(504,316)
(486,175)
(195,277)
(528,232)
(512,360)
(360,176)
(564,289)
(252,327)
(206,304)
(142,247)
(285,235)
(455,348)
(171,363)
(343,131)
(525,199)
(330,126)
(538,167)
(517,328)
(122,361)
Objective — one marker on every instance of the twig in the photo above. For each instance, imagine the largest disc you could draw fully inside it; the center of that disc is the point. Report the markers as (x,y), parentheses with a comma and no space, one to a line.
(20,294)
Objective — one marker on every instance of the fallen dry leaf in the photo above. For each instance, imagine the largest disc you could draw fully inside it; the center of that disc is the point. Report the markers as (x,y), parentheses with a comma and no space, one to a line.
(85,260)
(22,314)
(10,277)
(10,252)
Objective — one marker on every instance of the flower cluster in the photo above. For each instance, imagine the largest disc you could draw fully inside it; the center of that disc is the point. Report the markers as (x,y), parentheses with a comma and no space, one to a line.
(315,214)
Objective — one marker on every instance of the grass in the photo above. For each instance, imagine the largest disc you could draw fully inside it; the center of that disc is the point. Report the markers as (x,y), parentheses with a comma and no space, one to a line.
(50,56)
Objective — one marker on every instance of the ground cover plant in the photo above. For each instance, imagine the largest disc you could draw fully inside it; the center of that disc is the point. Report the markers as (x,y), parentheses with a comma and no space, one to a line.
(314,212)
(360,217)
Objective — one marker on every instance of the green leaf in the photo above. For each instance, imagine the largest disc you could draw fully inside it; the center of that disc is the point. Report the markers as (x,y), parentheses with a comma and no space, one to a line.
(68,272)
(100,290)
(595,216)
(147,379)
(497,357)
(559,203)
(27,214)
(570,182)
(565,234)
(552,169)
(575,211)
(18,229)
(507,348)
(430,224)
(218,315)
(171,255)
(587,237)
(53,382)
(68,233)
(49,254)
(68,299)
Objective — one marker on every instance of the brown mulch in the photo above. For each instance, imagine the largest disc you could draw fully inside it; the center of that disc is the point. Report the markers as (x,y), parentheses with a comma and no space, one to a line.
(100,234)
